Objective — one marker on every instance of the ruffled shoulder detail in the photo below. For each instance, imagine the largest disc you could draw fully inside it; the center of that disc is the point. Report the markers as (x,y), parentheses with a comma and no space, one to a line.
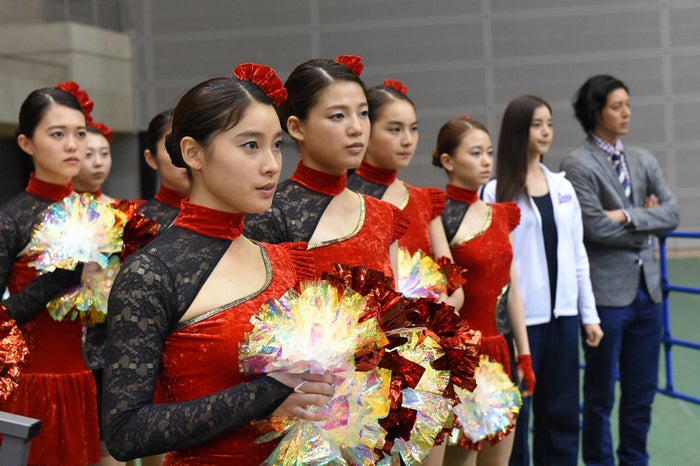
(513,212)
(437,201)
(302,260)
(401,222)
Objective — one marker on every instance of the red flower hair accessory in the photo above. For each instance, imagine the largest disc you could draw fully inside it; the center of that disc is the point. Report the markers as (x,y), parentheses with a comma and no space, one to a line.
(265,78)
(73,88)
(396,85)
(104,129)
(353,62)
(464,117)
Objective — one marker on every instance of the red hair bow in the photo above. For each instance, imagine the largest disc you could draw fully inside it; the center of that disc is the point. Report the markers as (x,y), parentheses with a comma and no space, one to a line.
(464,117)
(104,129)
(265,78)
(397,85)
(73,88)
(353,62)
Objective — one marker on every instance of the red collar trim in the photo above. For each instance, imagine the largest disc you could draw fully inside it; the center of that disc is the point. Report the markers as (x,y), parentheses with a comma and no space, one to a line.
(209,222)
(375,174)
(321,182)
(97,193)
(46,190)
(170,197)
(465,196)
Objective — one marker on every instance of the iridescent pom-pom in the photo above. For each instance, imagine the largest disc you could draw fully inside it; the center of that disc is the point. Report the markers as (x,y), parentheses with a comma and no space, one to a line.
(87,301)
(76,229)
(318,330)
(419,276)
(488,412)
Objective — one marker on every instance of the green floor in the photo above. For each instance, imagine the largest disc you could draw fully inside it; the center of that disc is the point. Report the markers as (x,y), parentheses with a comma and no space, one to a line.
(675,430)
(674,438)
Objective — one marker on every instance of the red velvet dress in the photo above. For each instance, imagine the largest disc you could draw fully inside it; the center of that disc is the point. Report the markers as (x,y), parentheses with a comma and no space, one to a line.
(298,207)
(487,256)
(420,205)
(380,225)
(201,358)
(55,386)
(208,404)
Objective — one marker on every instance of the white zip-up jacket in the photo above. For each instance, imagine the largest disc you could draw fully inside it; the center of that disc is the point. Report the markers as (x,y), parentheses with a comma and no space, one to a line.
(574,292)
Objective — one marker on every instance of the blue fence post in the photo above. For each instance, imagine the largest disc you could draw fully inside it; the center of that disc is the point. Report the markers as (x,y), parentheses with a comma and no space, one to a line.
(668,345)
(668,340)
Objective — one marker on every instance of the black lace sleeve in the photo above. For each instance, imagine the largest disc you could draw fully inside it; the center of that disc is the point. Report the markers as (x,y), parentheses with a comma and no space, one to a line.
(293,217)
(268,227)
(17,220)
(452,217)
(364,186)
(8,246)
(160,212)
(150,293)
(25,304)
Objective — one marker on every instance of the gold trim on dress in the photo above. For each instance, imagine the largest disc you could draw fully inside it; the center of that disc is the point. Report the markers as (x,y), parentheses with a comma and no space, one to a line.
(225,307)
(487,224)
(358,227)
(406,196)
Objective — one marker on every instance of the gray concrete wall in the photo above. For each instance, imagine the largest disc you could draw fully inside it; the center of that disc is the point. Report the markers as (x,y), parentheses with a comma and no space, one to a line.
(455,56)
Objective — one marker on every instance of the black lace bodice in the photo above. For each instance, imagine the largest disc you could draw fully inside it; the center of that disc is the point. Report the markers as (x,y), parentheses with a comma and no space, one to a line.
(365,186)
(159,211)
(152,291)
(18,218)
(452,217)
(294,215)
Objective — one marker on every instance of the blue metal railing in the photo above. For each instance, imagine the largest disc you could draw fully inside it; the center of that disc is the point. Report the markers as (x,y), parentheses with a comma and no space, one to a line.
(668,340)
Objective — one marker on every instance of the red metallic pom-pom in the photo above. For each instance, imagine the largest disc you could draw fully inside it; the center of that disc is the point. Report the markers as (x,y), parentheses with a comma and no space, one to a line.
(13,351)
(138,229)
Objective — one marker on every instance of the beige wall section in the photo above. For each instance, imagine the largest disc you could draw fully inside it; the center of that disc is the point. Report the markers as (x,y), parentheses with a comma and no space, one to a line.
(40,55)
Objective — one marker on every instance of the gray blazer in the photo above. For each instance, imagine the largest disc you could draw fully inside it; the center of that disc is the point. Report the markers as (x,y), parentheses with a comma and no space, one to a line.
(617,253)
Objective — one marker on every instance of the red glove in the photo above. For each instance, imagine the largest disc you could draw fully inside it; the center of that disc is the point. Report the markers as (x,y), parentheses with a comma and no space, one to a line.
(528,375)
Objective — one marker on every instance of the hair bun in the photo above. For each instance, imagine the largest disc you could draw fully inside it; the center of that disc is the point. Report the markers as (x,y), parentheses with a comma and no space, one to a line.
(172,147)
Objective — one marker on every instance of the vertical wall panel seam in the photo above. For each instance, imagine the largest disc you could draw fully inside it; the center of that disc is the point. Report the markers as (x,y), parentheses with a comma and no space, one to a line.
(489,74)
(667,83)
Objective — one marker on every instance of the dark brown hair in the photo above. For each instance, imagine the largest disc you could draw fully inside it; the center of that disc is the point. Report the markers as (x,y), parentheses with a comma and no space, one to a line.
(450,137)
(208,109)
(592,97)
(305,84)
(37,104)
(513,143)
(157,128)
(379,96)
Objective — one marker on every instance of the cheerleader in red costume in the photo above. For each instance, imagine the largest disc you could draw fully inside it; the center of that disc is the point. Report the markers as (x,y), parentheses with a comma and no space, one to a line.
(327,115)
(179,307)
(479,237)
(392,144)
(174,181)
(97,164)
(55,386)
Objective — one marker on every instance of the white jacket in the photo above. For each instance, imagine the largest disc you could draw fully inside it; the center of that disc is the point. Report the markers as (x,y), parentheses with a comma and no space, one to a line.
(574,291)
